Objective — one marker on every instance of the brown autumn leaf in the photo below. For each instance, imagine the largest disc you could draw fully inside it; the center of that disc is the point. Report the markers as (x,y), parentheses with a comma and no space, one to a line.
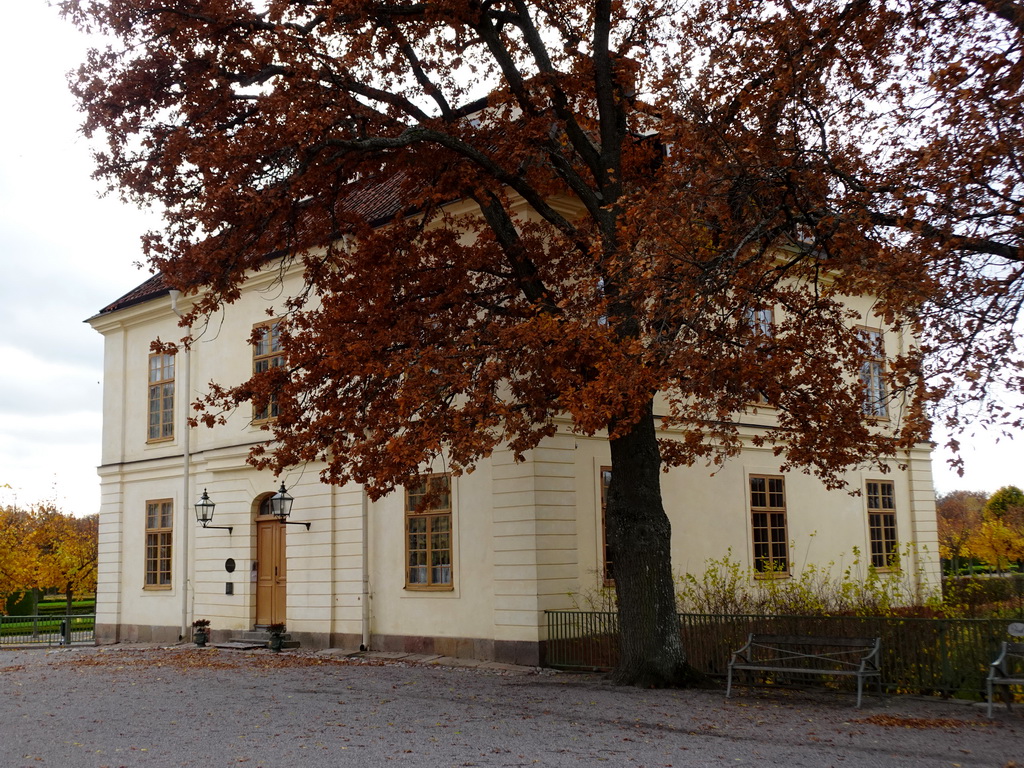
(901,721)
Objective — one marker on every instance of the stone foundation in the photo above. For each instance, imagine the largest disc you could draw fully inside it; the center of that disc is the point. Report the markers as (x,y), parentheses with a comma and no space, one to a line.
(521,652)
(505,651)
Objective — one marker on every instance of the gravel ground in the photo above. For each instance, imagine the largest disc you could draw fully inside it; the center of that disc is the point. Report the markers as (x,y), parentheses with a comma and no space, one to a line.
(162,707)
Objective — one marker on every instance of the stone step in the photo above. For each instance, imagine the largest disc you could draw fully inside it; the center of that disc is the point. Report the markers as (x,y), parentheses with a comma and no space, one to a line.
(240,645)
(256,639)
(256,635)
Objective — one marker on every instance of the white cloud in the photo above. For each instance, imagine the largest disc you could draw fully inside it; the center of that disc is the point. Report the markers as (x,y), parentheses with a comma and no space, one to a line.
(45,387)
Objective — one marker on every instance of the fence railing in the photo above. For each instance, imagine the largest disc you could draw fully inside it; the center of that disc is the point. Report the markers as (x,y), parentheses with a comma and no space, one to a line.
(923,656)
(49,629)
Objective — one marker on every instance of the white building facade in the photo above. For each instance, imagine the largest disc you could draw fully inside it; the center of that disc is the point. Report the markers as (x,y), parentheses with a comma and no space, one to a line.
(471,576)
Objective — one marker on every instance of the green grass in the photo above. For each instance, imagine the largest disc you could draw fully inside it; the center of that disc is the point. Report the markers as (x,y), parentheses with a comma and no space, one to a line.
(50,607)
(22,625)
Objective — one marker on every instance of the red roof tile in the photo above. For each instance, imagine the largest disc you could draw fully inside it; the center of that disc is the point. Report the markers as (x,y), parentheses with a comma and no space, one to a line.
(151,289)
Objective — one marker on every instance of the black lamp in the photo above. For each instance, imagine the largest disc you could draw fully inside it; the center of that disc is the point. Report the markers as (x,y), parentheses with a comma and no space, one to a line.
(204,513)
(281,507)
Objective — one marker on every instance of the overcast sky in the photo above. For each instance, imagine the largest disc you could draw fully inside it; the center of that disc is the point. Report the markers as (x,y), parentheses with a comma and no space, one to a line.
(66,253)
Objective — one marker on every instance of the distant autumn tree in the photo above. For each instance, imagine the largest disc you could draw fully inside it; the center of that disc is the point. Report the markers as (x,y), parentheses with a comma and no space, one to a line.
(999,539)
(516,212)
(43,548)
(959,516)
(17,564)
(1007,501)
(68,549)
(999,542)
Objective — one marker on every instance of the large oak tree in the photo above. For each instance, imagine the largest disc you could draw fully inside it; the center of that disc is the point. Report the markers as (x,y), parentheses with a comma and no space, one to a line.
(641,180)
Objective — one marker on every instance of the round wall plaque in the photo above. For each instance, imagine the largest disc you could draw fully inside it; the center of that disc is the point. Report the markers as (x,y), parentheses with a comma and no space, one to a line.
(229,565)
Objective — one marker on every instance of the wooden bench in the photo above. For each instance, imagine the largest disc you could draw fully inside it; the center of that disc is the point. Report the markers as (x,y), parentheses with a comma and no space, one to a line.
(805,655)
(1006,670)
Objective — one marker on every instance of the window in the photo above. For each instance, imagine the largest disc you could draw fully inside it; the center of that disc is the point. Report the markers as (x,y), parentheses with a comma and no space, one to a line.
(428,530)
(882,523)
(761,322)
(768,523)
(267,354)
(606,479)
(158,543)
(872,375)
(161,397)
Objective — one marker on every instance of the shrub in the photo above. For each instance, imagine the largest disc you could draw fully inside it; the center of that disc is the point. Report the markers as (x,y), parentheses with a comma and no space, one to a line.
(727,587)
(600,598)
(971,596)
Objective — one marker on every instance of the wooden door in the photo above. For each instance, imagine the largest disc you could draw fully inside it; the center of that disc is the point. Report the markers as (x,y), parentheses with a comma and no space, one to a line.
(271,580)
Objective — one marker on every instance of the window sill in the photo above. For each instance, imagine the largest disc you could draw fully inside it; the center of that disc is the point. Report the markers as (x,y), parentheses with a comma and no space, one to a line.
(772,576)
(429,588)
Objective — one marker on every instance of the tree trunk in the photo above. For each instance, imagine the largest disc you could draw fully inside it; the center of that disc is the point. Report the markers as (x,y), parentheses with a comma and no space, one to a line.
(651,652)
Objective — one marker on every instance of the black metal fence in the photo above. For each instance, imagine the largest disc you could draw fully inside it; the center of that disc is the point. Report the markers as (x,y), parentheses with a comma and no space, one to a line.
(48,629)
(946,657)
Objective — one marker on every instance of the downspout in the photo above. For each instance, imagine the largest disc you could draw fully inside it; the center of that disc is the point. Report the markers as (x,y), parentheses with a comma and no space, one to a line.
(346,245)
(186,469)
(366,573)
(915,556)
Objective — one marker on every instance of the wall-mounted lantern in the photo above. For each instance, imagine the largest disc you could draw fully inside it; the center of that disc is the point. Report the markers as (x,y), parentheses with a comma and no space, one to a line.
(204,513)
(281,507)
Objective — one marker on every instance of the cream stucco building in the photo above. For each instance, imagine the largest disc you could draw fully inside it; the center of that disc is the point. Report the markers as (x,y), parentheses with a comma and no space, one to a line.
(470,577)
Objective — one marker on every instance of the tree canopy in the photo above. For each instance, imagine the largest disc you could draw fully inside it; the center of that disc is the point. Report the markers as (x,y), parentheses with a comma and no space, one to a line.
(999,539)
(43,548)
(990,528)
(513,212)
(1008,500)
(960,514)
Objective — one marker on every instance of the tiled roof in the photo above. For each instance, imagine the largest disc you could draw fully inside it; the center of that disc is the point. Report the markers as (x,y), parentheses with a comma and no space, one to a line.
(152,288)
(376,202)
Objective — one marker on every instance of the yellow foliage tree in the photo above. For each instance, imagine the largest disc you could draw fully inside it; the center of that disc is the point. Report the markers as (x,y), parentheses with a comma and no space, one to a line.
(17,566)
(959,517)
(998,543)
(999,540)
(44,548)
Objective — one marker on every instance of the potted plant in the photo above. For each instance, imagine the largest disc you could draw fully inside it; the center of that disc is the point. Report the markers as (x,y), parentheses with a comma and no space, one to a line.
(201,632)
(276,637)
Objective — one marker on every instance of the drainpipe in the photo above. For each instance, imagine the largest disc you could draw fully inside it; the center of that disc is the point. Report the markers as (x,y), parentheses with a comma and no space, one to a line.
(914,555)
(366,573)
(186,469)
